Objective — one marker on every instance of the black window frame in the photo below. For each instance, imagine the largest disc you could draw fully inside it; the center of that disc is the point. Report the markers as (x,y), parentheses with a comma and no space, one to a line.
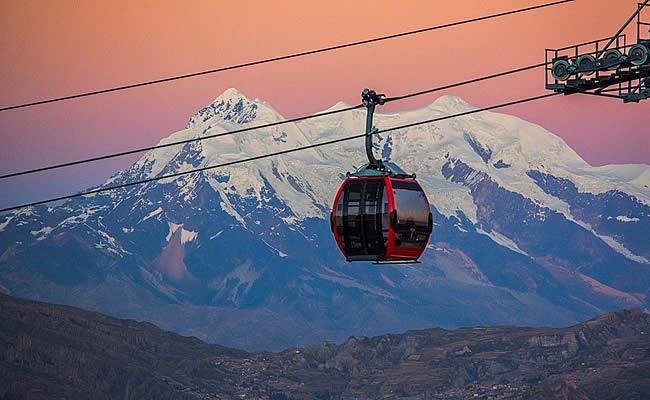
(368,235)
(410,233)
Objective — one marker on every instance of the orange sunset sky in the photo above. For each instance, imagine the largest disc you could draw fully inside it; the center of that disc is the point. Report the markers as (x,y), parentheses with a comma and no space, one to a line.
(55,48)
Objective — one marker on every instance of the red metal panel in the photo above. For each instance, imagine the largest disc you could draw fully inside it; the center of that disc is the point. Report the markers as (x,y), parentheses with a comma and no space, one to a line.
(391,207)
(393,253)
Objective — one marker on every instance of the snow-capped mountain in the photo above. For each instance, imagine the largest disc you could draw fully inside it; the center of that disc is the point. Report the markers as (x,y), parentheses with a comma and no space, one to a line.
(526,232)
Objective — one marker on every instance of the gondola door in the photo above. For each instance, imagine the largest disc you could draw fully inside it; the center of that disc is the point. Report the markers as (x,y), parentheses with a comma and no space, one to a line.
(364,213)
(372,217)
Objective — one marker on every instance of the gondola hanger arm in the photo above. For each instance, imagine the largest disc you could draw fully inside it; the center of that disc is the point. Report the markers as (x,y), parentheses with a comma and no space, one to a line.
(370,99)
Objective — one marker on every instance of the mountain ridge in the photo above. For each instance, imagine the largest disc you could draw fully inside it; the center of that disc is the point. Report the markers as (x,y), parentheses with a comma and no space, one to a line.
(517,238)
(56,351)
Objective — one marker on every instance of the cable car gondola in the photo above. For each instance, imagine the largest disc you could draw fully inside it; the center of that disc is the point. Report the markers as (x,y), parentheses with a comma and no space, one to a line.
(380,213)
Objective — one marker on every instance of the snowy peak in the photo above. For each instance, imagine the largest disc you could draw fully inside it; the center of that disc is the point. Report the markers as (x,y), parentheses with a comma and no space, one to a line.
(453,104)
(234,107)
(503,147)
(338,106)
(231,94)
(509,199)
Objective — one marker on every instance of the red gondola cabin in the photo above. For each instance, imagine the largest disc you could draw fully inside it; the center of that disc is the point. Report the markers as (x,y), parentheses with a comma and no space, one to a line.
(380,213)
(381,218)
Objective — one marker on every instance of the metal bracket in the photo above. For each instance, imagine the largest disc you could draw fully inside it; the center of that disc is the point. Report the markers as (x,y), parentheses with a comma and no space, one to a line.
(632,17)
(608,67)
(370,99)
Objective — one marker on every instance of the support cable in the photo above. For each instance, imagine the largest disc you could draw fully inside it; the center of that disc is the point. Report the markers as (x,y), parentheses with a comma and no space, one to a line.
(285,57)
(163,145)
(251,128)
(274,154)
(467,82)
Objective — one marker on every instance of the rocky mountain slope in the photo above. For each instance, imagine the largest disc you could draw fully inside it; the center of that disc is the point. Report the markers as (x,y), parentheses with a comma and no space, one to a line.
(49,351)
(525,232)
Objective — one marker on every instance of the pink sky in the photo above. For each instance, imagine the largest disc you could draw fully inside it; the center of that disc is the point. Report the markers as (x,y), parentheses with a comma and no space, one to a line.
(51,49)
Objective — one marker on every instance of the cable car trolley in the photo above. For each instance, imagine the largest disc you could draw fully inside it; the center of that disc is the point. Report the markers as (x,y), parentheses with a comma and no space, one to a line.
(380,213)
(607,67)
